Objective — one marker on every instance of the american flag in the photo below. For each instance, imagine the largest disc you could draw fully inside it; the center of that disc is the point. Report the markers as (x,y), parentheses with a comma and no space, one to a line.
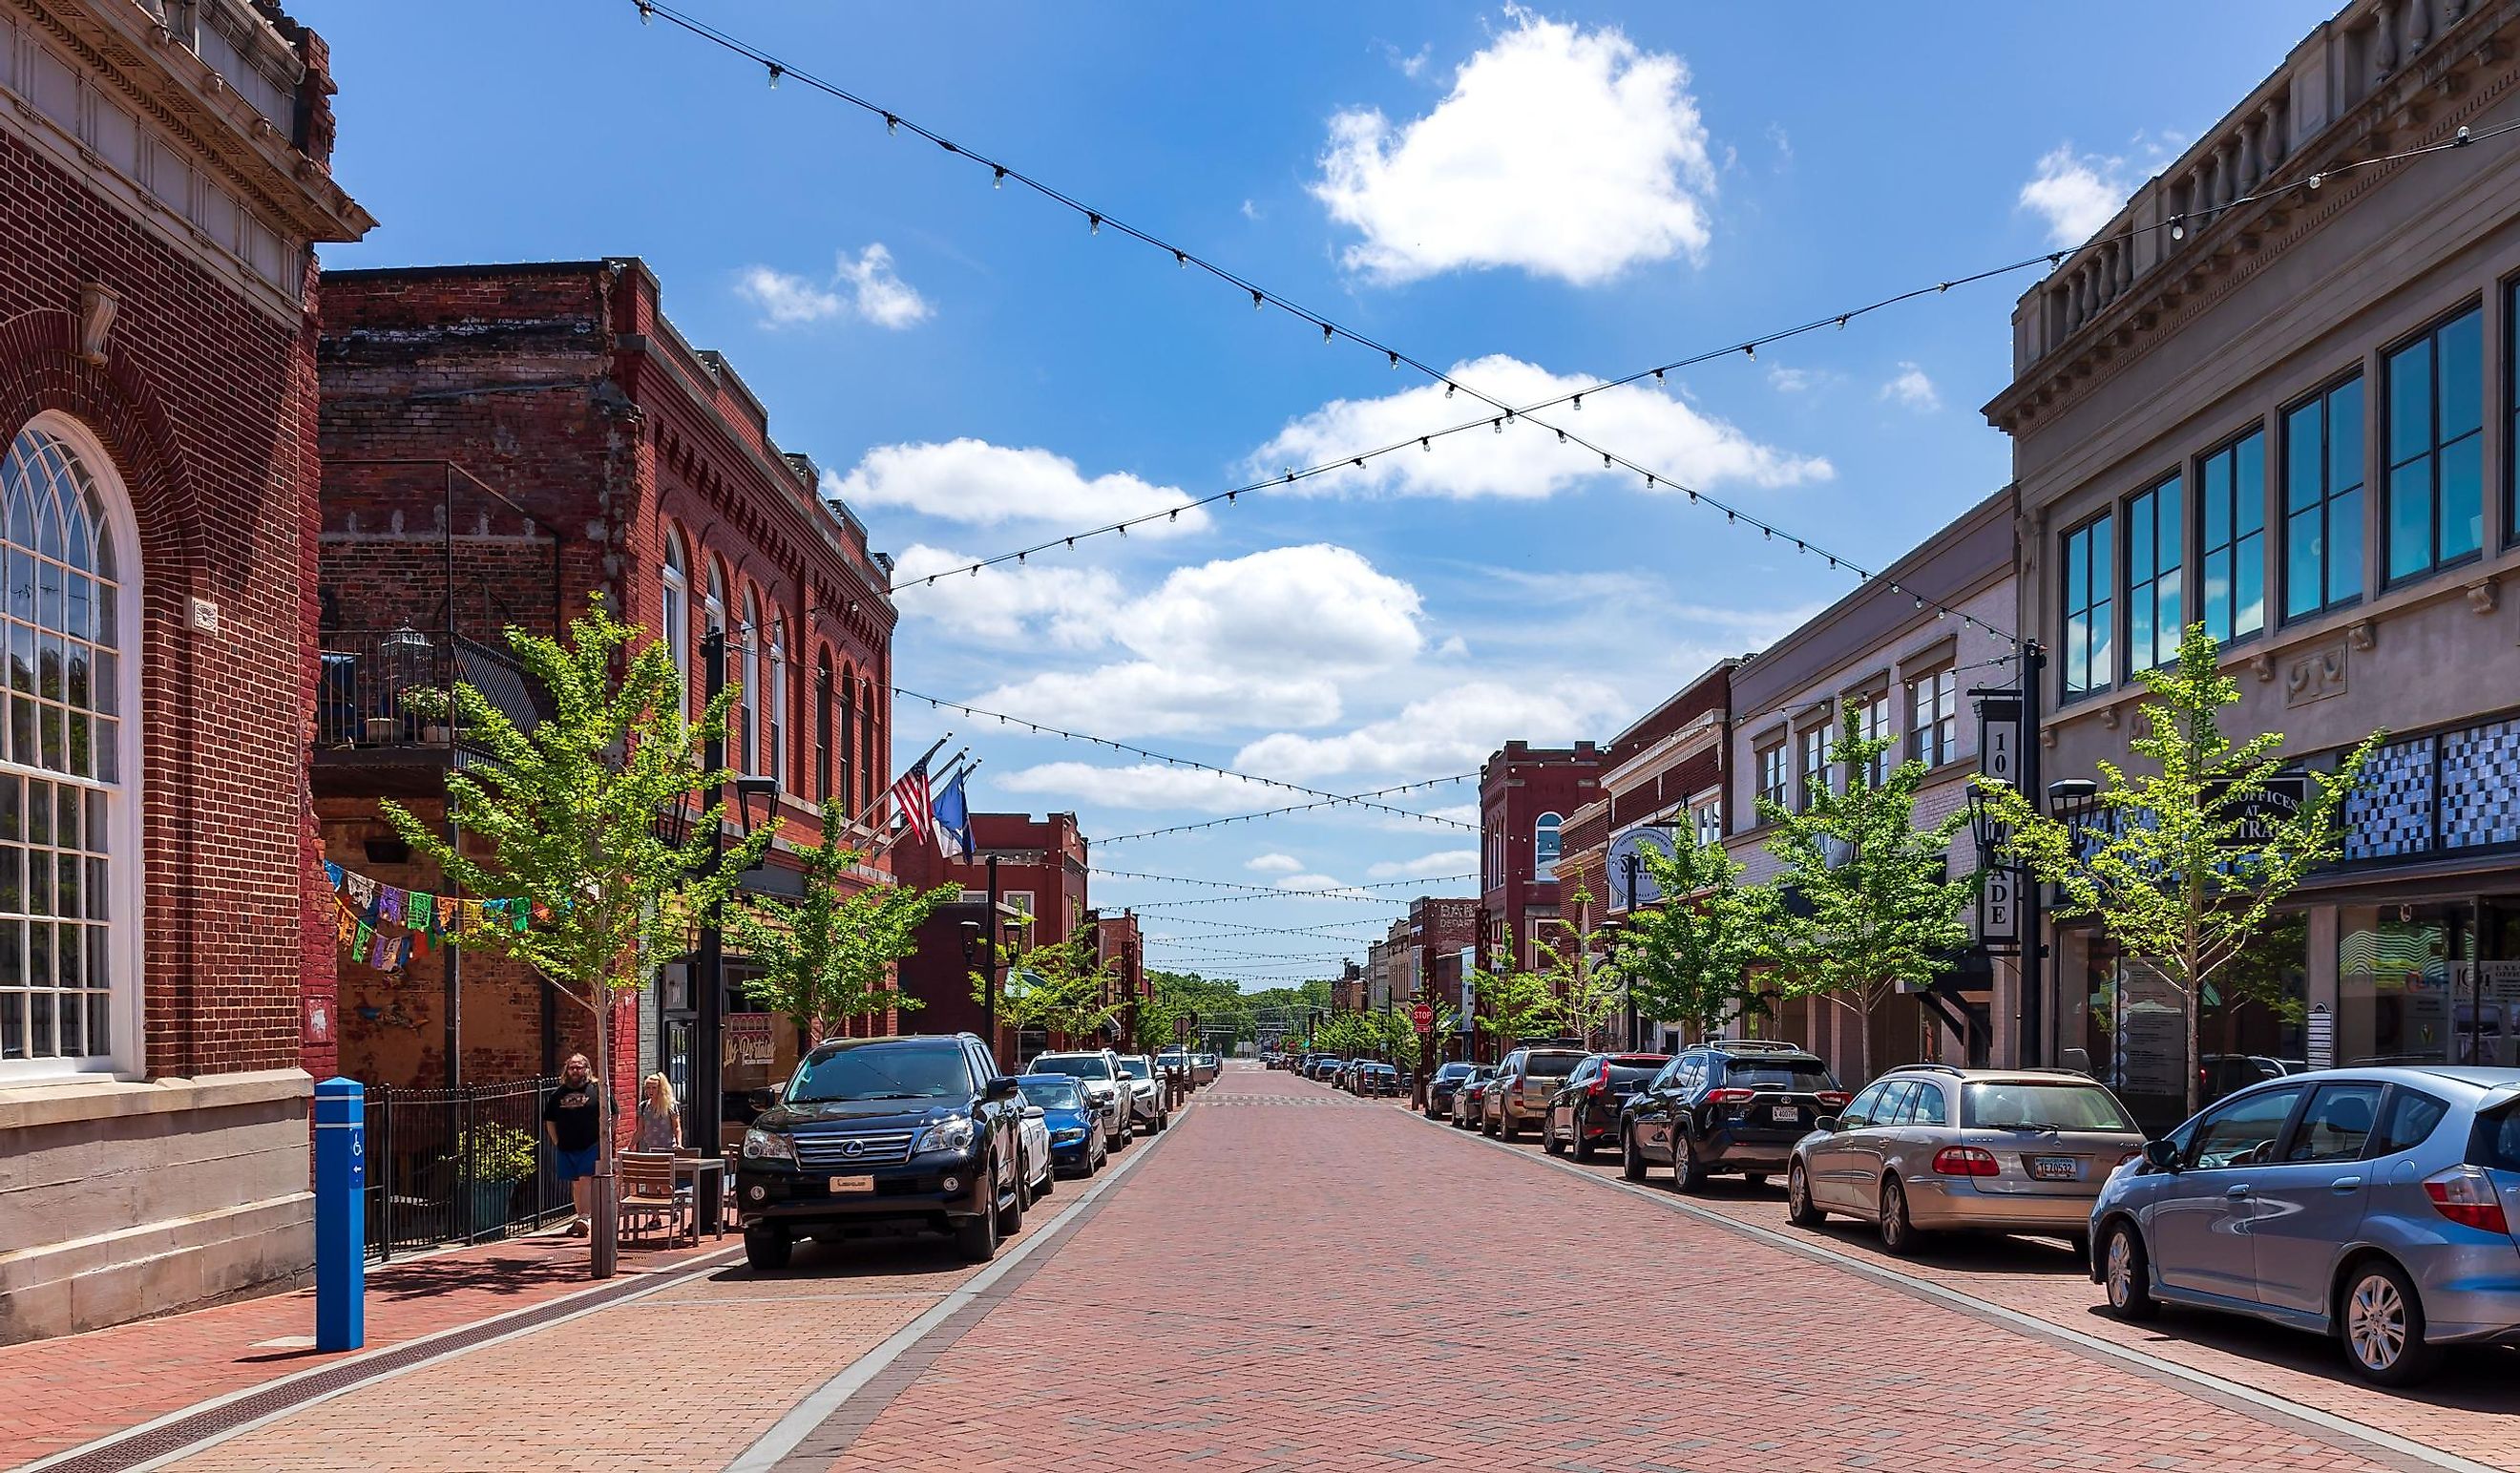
(910,797)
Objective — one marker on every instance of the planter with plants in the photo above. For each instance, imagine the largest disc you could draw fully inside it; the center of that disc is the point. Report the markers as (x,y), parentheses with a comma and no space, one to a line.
(432,707)
(493,1158)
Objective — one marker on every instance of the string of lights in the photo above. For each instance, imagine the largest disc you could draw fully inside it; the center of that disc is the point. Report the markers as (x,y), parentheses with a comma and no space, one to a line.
(1237,884)
(1333,892)
(1328,931)
(1271,813)
(939,702)
(1334,331)
(1171,945)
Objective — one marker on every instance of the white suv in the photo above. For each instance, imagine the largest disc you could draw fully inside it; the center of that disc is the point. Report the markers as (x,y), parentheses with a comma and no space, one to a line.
(1149,1104)
(1105,1084)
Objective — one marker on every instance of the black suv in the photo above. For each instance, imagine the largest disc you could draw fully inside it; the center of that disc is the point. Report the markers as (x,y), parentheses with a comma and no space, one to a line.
(1728,1106)
(876,1135)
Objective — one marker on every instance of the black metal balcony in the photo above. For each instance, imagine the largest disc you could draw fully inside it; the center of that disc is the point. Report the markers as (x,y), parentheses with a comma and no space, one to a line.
(384,698)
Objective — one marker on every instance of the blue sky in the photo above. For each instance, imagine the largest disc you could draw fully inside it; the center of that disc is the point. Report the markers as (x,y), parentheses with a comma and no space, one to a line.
(1527,196)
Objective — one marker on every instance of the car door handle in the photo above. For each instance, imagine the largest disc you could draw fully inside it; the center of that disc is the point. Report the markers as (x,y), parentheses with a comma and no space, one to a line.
(2346,1187)
(2236,1194)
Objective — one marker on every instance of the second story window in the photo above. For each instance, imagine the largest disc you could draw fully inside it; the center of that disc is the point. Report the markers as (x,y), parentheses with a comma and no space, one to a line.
(2155,524)
(2232,555)
(1707,821)
(1544,841)
(2435,492)
(1815,744)
(1933,724)
(2088,657)
(1771,773)
(1873,721)
(2322,475)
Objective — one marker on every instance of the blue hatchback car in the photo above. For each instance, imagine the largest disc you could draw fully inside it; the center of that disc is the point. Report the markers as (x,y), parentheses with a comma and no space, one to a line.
(2376,1205)
(1076,1147)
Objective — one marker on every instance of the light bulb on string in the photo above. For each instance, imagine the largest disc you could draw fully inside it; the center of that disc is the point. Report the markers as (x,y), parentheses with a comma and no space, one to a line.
(891,125)
(1257,301)
(775,69)
(2179,227)
(1092,223)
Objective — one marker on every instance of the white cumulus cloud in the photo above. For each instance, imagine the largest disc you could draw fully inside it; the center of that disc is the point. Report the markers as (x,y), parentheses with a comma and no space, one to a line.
(1141,786)
(2076,194)
(1070,606)
(1561,152)
(1274,864)
(975,482)
(1448,731)
(1649,427)
(1427,865)
(866,287)
(1910,388)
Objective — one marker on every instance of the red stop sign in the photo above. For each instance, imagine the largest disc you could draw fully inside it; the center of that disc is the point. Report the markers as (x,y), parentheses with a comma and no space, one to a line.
(1424,1017)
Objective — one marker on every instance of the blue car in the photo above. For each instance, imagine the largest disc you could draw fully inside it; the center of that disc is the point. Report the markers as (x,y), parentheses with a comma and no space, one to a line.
(1076,1147)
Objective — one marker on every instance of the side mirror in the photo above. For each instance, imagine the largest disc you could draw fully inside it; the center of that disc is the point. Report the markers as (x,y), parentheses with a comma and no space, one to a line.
(1035,1112)
(1825,1123)
(2161,1155)
(1003,1087)
(761,1100)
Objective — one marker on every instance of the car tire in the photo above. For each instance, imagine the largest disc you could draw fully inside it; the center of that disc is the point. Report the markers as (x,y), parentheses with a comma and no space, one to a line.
(1579,1147)
(1487,1127)
(1755,1178)
(1011,1217)
(976,1238)
(1688,1174)
(1549,1140)
(2380,1326)
(1631,1161)
(1049,1182)
(1800,1209)
(1506,1128)
(766,1249)
(1898,1234)
(2126,1270)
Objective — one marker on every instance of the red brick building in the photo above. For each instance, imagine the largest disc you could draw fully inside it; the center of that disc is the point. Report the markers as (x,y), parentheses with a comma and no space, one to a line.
(501,442)
(1041,874)
(1527,794)
(163,176)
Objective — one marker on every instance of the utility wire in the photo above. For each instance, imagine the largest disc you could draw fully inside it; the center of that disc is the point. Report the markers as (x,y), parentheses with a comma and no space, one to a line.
(1037,728)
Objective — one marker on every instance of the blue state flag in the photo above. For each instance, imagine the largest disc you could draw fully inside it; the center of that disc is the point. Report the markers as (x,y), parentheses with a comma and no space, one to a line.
(951,815)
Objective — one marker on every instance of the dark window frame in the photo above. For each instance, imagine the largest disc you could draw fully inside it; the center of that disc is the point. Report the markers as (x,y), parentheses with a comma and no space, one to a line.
(2437,448)
(2322,402)
(2099,610)
(2236,541)
(1934,720)
(2171,572)
(1770,761)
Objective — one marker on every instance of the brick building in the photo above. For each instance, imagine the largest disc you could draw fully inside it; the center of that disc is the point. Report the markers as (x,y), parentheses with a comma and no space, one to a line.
(1525,795)
(1040,871)
(500,443)
(1123,948)
(164,172)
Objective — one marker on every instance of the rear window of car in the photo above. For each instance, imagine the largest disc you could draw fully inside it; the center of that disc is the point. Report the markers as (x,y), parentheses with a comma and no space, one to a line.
(2012,1106)
(1560,1064)
(1632,1074)
(2495,1142)
(1082,1065)
(1454,1071)
(1800,1074)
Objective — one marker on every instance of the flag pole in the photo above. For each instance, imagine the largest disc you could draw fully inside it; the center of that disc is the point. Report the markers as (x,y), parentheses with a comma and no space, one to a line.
(886,796)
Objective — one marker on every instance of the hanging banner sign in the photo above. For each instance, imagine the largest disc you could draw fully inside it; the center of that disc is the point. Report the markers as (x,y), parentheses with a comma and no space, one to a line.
(1999,758)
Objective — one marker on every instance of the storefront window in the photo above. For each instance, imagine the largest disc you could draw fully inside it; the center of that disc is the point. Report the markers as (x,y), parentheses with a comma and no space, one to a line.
(2251,1019)
(2412,988)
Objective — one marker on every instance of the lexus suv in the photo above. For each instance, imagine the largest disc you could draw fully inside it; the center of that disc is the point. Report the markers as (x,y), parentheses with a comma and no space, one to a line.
(892,1134)
(1725,1105)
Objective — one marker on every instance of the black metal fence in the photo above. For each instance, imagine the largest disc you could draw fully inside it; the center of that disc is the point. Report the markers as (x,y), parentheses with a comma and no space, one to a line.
(459,1166)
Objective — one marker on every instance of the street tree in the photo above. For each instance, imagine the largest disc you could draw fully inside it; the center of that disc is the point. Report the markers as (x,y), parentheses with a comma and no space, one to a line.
(1687,959)
(2187,863)
(828,957)
(1582,995)
(1515,1003)
(1065,988)
(1882,911)
(568,811)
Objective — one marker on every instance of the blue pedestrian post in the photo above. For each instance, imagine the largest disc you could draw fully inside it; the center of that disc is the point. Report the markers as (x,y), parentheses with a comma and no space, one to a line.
(340,1215)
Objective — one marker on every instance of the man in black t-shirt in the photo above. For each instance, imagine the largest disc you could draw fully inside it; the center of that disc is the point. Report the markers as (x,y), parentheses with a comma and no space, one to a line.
(572,1119)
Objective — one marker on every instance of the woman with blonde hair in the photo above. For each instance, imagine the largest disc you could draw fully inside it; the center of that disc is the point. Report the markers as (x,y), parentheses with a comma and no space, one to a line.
(660,1125)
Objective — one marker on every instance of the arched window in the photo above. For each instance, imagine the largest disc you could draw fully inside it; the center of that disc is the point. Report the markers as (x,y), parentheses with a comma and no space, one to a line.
(776,763)
(851,799)
(874,775)
(70,852)
(748,640)
(674,614)
(823,727)
(1544,842)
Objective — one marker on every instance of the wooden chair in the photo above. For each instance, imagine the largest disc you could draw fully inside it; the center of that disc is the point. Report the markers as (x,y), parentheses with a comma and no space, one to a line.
(647,1196)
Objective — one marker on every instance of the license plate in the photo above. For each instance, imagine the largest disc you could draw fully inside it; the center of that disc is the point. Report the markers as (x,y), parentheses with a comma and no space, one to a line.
(2054,1167)
(852,1183)
(1786,1114)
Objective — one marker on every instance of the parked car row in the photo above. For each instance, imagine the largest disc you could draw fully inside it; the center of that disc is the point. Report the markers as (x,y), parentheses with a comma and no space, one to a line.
(2374,1205)
(883,1137)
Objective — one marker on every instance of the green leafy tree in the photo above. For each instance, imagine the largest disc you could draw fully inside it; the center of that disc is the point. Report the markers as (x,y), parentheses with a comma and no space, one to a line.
(1516,1003)
(1065,988)
(829,956)
(1687,959)
(1884,909)
(569,812)
(1572,993)
(1349,1035)
(2189,867)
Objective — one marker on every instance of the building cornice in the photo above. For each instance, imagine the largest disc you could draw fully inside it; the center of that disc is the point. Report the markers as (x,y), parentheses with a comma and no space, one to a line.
(1703,733)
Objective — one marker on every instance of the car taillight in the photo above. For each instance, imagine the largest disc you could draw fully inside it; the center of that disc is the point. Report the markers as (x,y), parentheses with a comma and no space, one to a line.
(1729,1096)
(2465,1194)
(1601,1086)
(1964,1161)
(1835,1099)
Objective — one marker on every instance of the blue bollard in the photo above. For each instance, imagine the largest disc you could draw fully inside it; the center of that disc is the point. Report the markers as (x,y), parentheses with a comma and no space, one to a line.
(340,1215)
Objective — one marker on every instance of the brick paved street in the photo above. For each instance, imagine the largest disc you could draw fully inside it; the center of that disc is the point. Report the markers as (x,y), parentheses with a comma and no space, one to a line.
(1295,1280)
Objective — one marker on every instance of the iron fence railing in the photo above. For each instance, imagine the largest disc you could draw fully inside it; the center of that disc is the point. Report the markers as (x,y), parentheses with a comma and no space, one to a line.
(393,687)
(458,1166)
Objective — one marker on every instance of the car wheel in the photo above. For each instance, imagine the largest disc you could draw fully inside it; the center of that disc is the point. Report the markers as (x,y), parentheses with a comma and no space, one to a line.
(1487,1127)
(1631,1161)
(2382,1326)
(1581,1147)
(1549,1140)
(1048,1183)
(1800,1209)
(976,1238)
(766,1249)
(1898,1230)
(1755,1178)
(1687,1173)
(2127,1271)
(1011,1216)
(1507,1128)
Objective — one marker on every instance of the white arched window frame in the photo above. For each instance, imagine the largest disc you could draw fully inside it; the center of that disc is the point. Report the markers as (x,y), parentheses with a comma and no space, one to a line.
(777,766)
(713,605)
(72,983)
(752,639)
(674,615)
(1544,842)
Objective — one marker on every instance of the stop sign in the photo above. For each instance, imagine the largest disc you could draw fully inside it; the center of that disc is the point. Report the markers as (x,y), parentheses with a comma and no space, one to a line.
(1424,1017)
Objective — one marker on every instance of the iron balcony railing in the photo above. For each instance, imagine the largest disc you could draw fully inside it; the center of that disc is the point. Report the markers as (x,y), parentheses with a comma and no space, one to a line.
(394,687)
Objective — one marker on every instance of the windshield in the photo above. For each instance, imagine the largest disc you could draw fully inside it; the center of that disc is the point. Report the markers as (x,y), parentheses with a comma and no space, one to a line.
(1556,1066)
(1798,1074)
(883,1071)
(1081,1066)
(1137,1068)
(2043,1108)
(1052,1093)
(1453,1071)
